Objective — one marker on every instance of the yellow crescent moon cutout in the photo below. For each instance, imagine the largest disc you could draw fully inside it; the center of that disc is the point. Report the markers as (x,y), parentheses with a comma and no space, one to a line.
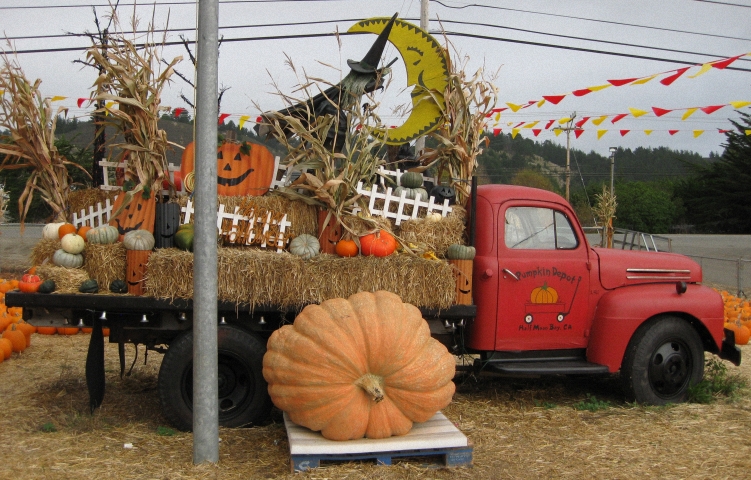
(425,61)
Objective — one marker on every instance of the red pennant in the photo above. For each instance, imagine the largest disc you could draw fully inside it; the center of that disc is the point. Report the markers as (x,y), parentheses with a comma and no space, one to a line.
(80,101)
(624,132)
(672,78)
(499,110)
(621,82)
(618,117)
(581,122)
(578,132)
(259,119)
(550,122)
(496,131)
(724,63)
(178,111)
(536,131)
(724,131)
(554,99)
(358,127)
(672,132)
(711,109)
(660,111)
(489,114)
(519,124)
(582,92)
(222,118)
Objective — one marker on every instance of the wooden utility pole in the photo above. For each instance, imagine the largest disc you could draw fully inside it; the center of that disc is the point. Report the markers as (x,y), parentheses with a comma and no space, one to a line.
(569,127)
(425,25)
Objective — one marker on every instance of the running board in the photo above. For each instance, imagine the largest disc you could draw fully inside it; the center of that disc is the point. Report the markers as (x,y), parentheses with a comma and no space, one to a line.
(556,367)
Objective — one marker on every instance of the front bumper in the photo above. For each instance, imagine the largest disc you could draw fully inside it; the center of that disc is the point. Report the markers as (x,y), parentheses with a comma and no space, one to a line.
(729,350)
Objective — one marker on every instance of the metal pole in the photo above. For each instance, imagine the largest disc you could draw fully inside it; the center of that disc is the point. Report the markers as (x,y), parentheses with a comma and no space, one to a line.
(425,25)
(205,364)
(612,169)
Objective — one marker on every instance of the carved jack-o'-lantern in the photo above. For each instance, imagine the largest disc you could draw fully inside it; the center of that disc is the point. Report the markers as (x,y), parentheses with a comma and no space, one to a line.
(166,224)
(242,168)
(137,215)
(463,277)
(135,262)
(329,236)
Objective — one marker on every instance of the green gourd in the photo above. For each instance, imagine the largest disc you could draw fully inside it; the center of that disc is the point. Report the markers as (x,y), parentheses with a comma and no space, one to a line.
(47,286)
(411,180)
(184,237)
(105,234)
(118,286)
(89,286)
(139,240)
(460,252)
(411,193)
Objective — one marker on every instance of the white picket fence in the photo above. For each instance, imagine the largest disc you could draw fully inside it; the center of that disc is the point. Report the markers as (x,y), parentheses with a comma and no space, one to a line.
(280,240)
(419,208)
(96,217)
(396,175)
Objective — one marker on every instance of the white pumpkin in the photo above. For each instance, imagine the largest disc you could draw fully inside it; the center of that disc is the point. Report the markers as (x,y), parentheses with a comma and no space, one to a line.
(433,217)
(72,243)
(305,246)
(49,232)
(61,258)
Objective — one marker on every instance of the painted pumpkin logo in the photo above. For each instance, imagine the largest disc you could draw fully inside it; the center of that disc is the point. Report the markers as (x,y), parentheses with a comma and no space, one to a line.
(544,294)
(242,168)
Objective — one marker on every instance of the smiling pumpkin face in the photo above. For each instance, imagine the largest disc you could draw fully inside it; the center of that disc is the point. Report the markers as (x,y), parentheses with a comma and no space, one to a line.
(463,276)
(137,215)
(167,222)
(242,168)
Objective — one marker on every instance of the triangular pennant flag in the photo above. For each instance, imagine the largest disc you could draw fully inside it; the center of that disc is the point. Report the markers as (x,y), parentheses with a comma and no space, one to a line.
(499,109)
(648,132)
(581,122)
(530,103)
(660,111)
(624,132)
(672,78)
(178,112)
(578,132)
(619,117)
(554,99)
(513,107)
(711,108)
(222,118)
(636,112)
(688,113)
(489,114)
(259,119)
(496,131)
(720,130)
(2,92)
(724,63)
(597,88)
(557,131)
(644,80)
(497,116)
(57,98)
(599,120)
(514,132)
(748,132)
(536,131)
(600,133)
(739,104)
(109,105)
(242,121)
(519,124)
(550,122)
(672,132)
(704,69)
(531,125)
(541,103)
(697,133)
(564,120)
(80,101)
(621,82)
(582,92)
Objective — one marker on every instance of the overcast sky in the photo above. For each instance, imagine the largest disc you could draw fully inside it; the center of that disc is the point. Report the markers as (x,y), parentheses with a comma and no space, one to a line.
(706,30)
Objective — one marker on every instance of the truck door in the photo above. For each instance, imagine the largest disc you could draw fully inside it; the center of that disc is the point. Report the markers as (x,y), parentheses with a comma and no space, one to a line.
(544,280)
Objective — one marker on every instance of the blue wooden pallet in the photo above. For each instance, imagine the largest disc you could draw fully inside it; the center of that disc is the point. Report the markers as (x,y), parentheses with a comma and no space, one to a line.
(436,440)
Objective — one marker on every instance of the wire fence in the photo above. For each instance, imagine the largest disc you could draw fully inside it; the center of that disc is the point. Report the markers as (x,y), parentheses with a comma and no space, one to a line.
(726,273)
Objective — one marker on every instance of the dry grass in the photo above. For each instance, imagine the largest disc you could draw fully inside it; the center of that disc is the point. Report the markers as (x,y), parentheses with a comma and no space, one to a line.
(522,428)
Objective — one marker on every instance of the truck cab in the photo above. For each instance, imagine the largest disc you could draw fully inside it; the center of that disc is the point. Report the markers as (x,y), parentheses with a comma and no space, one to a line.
(549,303)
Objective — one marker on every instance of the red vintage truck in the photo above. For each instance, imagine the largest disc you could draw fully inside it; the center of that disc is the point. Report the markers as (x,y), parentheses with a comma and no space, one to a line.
(545,303)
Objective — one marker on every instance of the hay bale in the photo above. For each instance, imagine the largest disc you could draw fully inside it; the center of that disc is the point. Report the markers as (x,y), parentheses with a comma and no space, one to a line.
(105,263)
(256,277)
(44,249)
(83,199)
(67,280)
(435,236)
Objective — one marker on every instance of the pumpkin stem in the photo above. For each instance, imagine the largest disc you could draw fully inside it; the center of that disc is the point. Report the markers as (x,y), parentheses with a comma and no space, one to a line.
(373,385)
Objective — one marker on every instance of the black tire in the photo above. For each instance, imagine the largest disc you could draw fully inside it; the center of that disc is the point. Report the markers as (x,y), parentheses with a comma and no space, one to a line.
(664,358)
(243,393)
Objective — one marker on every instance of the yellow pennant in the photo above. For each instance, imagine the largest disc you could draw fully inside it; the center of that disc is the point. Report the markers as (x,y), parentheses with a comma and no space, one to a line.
(697,133)
(497,116)
(243,119)
(600,133)
(531,125)
(704,69)
(599,87)
(736,104)
(514,132)
(56,98)
(642,81)
(636,112)
(688,113)
(748,132)
(541,103)
(2,92)
(557,131)
(513,106)
(564,120)
(599,120)
(648,132)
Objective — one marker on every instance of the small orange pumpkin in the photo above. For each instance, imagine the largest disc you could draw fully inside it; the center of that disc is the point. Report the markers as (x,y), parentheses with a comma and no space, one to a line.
(242,168)
(6,348)
(379,244)
(47,330)
(346,248)
(16,337)
(82,231)
(65,229)
(67,330)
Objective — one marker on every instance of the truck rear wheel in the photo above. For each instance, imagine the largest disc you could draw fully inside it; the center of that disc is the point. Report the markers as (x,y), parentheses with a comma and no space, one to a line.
(664,358)
(243,393)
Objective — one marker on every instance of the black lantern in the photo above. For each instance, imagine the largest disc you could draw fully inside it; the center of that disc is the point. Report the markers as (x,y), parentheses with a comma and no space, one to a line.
(443,192)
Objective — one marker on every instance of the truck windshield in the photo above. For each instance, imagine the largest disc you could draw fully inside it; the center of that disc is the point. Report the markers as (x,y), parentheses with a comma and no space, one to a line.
(539,229)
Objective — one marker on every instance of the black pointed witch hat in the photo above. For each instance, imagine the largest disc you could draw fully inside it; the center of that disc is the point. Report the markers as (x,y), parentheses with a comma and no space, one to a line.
(369,63)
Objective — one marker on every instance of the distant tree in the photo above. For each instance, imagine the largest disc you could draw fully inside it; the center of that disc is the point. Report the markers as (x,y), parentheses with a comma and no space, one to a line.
(645,207)
(716,196)
(531,178)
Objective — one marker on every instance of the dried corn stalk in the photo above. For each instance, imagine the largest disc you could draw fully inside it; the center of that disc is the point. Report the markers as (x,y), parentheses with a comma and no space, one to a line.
(131,88)
(30,143)
(604,210)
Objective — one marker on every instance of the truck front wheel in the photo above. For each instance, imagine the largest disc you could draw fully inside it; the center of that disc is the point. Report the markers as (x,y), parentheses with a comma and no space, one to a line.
(243,393)
(664,358)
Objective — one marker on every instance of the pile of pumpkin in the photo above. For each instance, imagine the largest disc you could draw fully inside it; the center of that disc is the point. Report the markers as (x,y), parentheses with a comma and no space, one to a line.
(16,334)
(737,317)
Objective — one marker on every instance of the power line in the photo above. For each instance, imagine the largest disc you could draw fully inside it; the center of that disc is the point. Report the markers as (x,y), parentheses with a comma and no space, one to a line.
(157,4)
(724,3)
(469,5)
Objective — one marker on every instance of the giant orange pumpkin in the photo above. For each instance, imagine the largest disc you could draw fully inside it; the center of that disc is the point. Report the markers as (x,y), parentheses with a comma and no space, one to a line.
(242,168)
(138,215)
(364,366)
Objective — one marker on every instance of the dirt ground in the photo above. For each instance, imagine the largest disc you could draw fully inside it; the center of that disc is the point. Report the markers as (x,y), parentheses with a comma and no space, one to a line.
(520,428)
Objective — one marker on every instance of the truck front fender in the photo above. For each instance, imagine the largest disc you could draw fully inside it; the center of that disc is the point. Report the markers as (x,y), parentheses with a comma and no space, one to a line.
(620,312)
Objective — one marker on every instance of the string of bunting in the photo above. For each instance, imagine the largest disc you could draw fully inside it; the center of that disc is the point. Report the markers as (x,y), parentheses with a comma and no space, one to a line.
(601,132)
